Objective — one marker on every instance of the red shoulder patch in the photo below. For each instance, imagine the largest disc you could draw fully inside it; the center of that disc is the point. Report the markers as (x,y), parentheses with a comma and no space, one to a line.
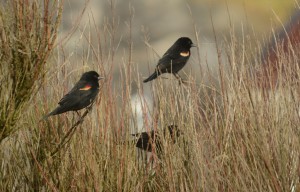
(85,88)
(185,54)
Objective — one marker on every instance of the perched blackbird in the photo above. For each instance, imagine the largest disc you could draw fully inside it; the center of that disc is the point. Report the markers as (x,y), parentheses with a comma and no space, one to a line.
(174,59)
(150,139)
(81,96)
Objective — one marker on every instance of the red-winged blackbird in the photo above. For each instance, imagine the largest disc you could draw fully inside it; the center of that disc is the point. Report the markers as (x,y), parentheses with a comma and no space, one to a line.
(81,96)
(174,59)
(148,140)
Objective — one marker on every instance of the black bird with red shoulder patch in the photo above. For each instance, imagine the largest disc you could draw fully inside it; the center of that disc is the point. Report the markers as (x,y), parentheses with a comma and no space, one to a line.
(81,95)
(174,59)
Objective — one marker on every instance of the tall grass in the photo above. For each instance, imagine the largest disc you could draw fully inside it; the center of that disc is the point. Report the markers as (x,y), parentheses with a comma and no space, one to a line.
(234,139)
(28,32)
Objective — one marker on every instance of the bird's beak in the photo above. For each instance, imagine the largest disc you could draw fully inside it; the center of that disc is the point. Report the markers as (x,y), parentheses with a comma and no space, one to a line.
(99,78)
(194,45)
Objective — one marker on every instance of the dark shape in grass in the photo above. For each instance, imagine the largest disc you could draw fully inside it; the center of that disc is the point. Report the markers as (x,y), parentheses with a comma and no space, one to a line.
(149,141)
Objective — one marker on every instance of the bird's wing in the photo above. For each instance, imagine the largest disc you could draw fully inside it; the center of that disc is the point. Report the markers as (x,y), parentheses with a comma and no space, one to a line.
(75,92)
(165,62)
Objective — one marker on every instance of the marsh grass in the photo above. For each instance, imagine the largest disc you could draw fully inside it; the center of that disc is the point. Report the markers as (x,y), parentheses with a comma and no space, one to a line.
(233,137)
(28,32)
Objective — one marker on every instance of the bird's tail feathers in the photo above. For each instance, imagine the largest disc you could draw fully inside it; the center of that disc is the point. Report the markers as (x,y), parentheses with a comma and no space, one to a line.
(45,117)
(50,114)
(153,76)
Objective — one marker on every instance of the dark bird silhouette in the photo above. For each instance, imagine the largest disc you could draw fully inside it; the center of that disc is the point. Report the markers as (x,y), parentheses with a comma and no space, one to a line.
(149,140)
(82,94)
(174,59)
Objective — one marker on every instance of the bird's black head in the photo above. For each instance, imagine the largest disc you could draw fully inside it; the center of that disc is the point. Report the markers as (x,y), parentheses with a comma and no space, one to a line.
(185,43)
(91,76)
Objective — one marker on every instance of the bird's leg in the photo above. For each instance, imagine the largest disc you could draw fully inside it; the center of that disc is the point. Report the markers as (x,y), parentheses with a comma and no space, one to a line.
(78,114)
(179,78)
